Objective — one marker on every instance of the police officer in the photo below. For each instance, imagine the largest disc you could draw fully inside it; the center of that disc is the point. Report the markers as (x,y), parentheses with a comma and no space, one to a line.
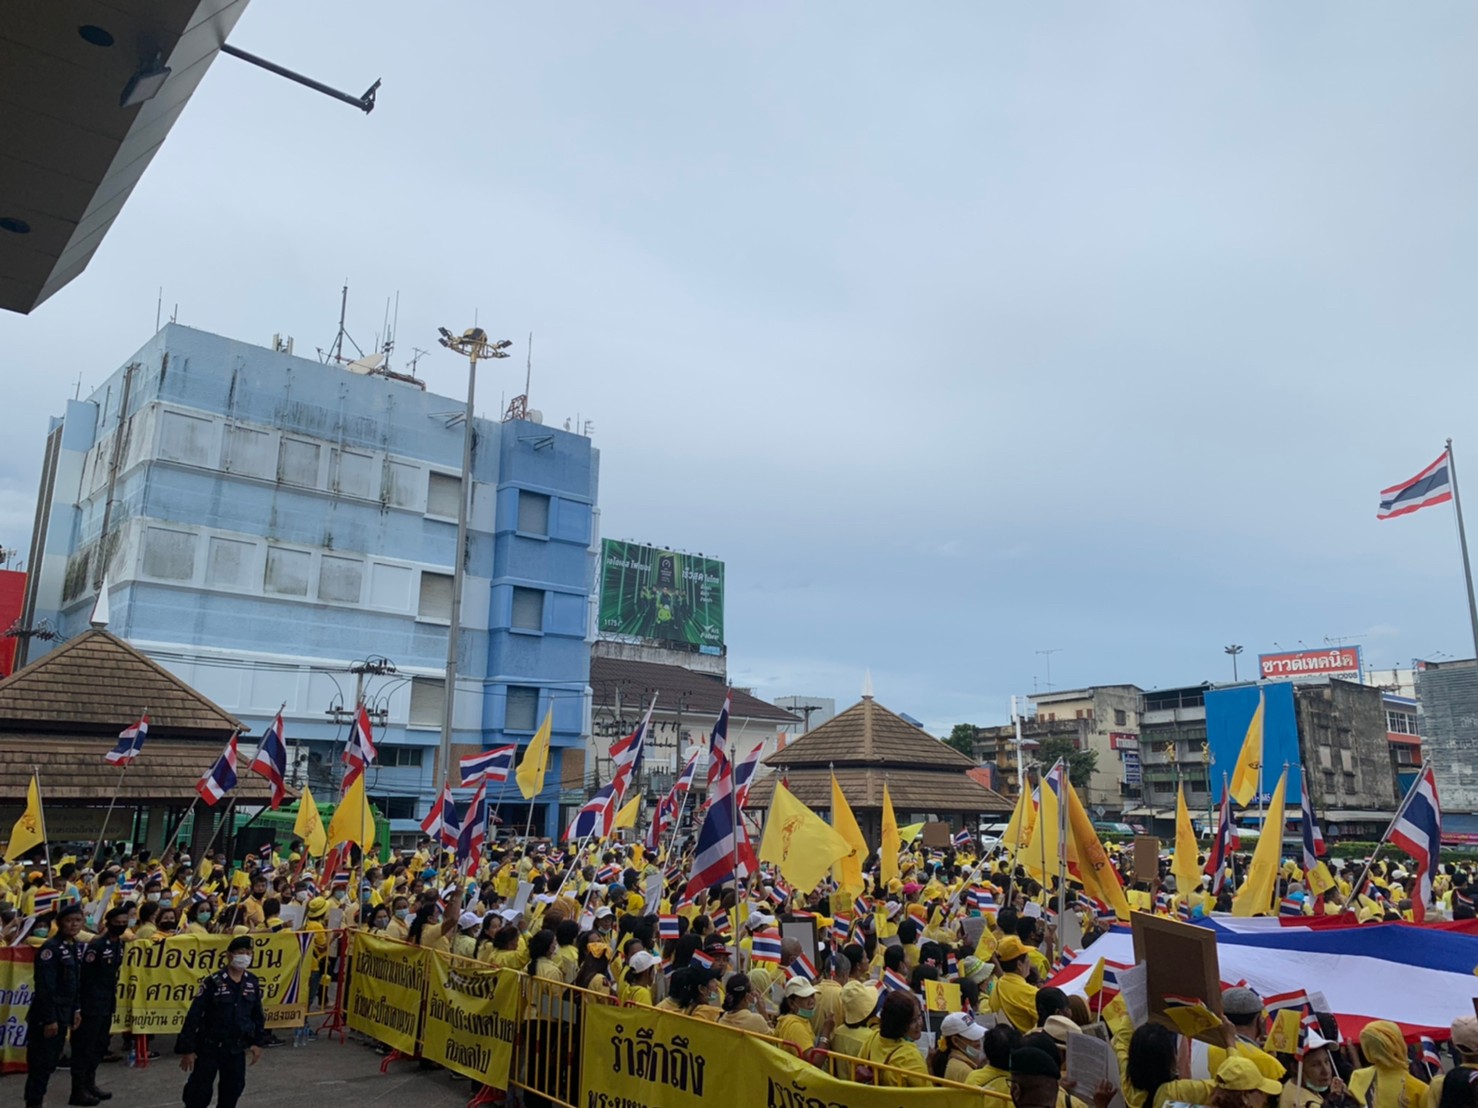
(225,1022)
(101,962)
(55,1010)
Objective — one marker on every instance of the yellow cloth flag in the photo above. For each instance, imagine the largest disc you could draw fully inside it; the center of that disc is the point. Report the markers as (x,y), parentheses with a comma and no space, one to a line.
(1019,830)
(1247,777)
(848,869)
(1283,1035)
(1088,857)
(888,850)
(535,761)
(985,947)
(909,832)
(799,842)
(1255,898)
(626,817)
(309,825)
(1319,879)
(29,830)
(1184,865)
(943,996)
(1094,985)
(353,821)
(1043,848)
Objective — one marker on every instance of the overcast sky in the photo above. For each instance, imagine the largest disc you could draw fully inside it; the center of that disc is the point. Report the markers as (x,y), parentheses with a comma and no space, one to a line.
(959,331)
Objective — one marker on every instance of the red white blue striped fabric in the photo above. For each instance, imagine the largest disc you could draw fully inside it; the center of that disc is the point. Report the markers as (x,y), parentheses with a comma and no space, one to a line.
(1313,837)
(841,928)
(1222,846)
(1417,830)
(221,777)
(493,765)
(270,761)
(667,927)
(474,830)
(894,982)
(744,773)
(130,742)
(715,856)
(596,816)
(803,968)
(1432,485)
(442,822)
(765,946)
(359,751)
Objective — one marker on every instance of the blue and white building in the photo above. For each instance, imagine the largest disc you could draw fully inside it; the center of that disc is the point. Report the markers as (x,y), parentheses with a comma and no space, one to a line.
(265,522)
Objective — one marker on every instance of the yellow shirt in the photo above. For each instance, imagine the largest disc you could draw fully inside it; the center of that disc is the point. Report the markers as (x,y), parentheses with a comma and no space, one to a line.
(1393,1088)
(318,948)
(514,959)
(958,1068)
(745,1020)
(989,1078)
(1016,1000)
(796,1030)
(398,929)
(1266,1064)
(901,1054)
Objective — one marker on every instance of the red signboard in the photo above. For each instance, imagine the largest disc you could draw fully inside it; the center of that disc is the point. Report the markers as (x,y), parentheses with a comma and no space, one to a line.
(1123,740)
(12,596)
(1336,661)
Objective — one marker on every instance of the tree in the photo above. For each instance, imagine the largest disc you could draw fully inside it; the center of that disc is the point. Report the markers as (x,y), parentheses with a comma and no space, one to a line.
(962,738)
(1081,764)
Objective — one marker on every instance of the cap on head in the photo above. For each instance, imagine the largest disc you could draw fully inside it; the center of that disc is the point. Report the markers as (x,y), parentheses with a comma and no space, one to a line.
(1465,1034)
(963,1025)
(240,942)
(858,1001)
(642,961)
(1242,1075)
(1240,1003)
(1031,1062)
(799,988)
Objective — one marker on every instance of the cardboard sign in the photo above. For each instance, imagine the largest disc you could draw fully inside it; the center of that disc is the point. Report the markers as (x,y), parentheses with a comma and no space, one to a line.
(803,930)
(1146,858)
(937,834)
(1180,961)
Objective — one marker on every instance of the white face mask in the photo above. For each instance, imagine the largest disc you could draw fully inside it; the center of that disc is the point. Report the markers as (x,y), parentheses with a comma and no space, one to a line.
(240,961)
(301,897)
(153,898)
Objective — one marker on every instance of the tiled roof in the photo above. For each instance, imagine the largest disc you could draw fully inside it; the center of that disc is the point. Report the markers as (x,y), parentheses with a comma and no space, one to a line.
(700,694)
(869,734)
(910,790)
(72,769)
(97,680)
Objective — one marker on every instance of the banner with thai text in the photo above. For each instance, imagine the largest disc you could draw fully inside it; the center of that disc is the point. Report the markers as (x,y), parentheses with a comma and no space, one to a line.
(17,966)
(387,984)
(643,1058)
(471,1020)
(159,980)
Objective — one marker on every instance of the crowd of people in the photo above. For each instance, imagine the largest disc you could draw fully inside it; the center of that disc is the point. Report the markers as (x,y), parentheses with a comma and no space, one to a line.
(612,922)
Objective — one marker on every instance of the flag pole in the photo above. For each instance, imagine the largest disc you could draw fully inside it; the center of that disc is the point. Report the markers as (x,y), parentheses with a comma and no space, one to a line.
(1462,538)
(1369,862)
(41,810)
(111,804)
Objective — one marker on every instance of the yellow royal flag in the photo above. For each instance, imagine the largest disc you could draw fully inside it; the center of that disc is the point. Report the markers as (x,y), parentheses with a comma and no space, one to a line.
(1089,860)
(1041,854)
(1283,1034)
(353,821)
(1247,777)
(943,996)
(309,825)
(891,844)
(28,830)
(535,762)
(1185,865)
(1094,985)
(848,869)
(1019,830)
(799,842)
(1255,897)
(1319,879)
(626,817)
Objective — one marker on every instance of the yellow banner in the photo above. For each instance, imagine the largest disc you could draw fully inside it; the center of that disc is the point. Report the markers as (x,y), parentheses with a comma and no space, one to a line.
(158,980)
(642,1058)
(17,984)
(471,1020)
(387,982)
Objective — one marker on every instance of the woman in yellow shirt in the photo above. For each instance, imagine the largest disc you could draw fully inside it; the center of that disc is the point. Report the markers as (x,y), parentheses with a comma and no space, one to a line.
(1013,997)
(1387,1076)
(794,1024)
(636,985)
(739,1004)
(958,1051)
(894,1044)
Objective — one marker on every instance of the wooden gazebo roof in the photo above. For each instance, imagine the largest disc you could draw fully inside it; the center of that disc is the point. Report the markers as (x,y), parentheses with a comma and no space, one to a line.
(72,772)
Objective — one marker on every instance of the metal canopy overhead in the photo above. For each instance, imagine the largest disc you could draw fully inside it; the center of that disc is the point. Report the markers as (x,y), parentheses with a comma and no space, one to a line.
(70,155)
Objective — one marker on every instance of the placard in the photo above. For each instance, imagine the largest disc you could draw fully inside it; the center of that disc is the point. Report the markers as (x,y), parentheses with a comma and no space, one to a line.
(803,930)
(937,835)
(1180,960)
(1146,859)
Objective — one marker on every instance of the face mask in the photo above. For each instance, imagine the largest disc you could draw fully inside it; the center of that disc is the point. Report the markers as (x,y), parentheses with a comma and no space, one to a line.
(302,897)
(165,901)
(152,898)
(806,1013)
(202,917)
(240,961)
(402,913)
(133,921)
(1317,1088)
(339,894)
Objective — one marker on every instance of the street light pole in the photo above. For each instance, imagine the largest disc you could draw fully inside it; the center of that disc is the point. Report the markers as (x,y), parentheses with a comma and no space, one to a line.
(473,344)
(1233,650)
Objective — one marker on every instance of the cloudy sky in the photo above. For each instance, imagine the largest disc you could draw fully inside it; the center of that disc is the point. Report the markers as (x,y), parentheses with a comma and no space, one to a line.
(961,332)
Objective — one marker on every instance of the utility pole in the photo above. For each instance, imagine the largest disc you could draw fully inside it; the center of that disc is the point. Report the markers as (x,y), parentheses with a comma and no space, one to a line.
(806,710)
(472,344)
(1048,655)
(373,666)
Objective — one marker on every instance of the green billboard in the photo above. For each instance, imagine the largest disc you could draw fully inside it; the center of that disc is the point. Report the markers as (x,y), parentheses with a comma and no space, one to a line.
(660,594)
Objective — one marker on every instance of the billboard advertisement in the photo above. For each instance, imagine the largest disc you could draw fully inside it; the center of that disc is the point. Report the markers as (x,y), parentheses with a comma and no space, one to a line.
(648,593)
(1228,714)
(1294,665)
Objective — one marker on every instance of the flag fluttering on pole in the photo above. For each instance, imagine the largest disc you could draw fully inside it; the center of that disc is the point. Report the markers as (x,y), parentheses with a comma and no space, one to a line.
(29,830)
(270,761)
(1255,898)
(474,830)
(353,821)
(1023,821)
(1087,860)
(535,762)
(1432,485)
(891,844)
(493,765)
(1417,829)
(1247,776)
(799,842)
(714,856)
(1317,877)
(1185,865)
(848,869)
(595,817)
(220,778)
(309,825)
(1223,845)
(744,773)
(442,823)
(130,742)
(626,817)
(359,751)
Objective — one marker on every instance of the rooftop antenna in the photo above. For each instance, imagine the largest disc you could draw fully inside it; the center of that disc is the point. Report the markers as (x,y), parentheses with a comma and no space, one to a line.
(336,348)
(416,355)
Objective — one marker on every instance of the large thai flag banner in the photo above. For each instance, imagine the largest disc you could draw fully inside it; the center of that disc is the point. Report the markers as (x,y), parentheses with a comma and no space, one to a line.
(1432,485)
(1419,976)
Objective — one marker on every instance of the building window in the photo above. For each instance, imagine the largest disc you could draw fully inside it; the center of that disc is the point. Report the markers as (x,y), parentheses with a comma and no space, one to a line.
(396,807)
(1402,723)
(402,484)
(443,495)
(428,701)
(436,596)
(1405,756)
(287,571)
(297,463)
(1088,714)
(1121,717)
(398,756)
(533,513)
(169,555)
(528,609)
(522,713)
(227,562)
(184,438)
(340,579)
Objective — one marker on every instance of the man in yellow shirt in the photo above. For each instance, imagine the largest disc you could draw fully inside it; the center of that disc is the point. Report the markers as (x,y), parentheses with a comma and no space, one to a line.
(1244,1011)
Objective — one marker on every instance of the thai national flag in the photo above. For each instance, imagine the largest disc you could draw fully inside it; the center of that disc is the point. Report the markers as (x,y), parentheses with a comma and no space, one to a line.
(1417,829)
(1291,906)
(608,874)
(894,982)
(270,761)
(765,946)
(626,755)
(1313,837)
(1428,1056)
(46,900)
(474,831)
(495,765)
(1432,485)
(779,896)
(720,921)
(1222,846)
(442,822)
(801,967)
(340,880)
(841,928)
(127,886)
(130,742)
(359,751)
(1066,958)
(744,773)
(595,817)
(704,960)
(962,840)
(221,777)
(1297,1000)
(667,927)
(713,860)
(982,900)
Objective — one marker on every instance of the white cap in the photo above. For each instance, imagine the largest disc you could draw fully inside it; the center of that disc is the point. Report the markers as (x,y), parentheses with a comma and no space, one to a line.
(761,919)
(799,987)
(642,961)
(603,911)
(893,909)
(510,915)
(469,919)
(962,1023)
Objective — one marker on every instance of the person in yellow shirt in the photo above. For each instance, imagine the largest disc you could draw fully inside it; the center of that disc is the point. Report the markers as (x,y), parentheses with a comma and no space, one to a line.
(314,920)
(893,1047)
(858,1002)
(636,984)
(1386,1081)
(400,919)
(796,1021)
(995,1074)
(255,916)
(958,1052)
(1013,997)
(739,1004)
(464,943)
(200,917)
(1244,1011)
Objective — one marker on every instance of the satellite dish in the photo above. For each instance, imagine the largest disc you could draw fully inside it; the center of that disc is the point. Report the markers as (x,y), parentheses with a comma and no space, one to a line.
(370,364)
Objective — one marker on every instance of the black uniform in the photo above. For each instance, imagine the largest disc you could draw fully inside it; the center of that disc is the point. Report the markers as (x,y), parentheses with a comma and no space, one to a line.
(225,1019)
(55,1000)
(101,962)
